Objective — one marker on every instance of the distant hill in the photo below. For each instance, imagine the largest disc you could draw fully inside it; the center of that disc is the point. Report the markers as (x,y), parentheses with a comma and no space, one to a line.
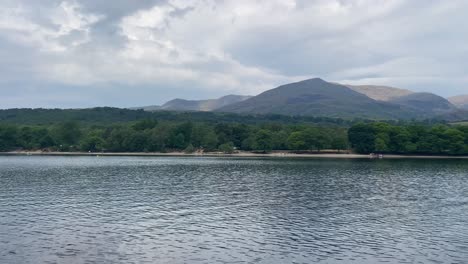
(320,98)
(460,101)
(427,103)
(100,116)
(380,93)
(460,115)
(308,101)
(197,105)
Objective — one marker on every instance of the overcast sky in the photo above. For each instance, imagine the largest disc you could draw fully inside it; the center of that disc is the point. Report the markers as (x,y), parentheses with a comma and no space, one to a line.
(83,53)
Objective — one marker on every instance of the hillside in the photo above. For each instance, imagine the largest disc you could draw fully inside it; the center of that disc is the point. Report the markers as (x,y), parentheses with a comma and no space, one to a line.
(428,103)
(320,98)
(460,101)
(107,115)
(380,93)
(197,105)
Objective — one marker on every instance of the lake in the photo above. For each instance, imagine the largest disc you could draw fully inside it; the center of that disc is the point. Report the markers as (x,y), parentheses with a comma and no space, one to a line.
(232,210)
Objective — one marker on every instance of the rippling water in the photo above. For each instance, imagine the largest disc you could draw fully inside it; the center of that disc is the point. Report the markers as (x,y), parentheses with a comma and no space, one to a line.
(226,210)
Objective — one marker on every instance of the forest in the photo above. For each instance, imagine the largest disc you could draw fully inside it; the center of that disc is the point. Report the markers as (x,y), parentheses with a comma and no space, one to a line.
(112,115)
(149,135)
(107,129)
(381,137)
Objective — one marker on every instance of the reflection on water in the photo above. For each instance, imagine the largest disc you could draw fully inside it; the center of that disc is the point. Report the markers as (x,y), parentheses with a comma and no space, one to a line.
(226,210)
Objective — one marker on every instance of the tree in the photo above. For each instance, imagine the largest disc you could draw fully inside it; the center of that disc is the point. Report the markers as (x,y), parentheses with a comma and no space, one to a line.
(136,142)
(157,138)
(223,132)
(239,133)
(68,133)
(316,139)
(248,143)
(210,141)
(145,124)
(117,139)
(189,149)
(280,140)
(227,148)
(92,143)
(178,141)
(362,138)
(381,145)
(186,130)
(297,141)
(456,141)
(263,140)
(8,139)
(339,143)
(46,141)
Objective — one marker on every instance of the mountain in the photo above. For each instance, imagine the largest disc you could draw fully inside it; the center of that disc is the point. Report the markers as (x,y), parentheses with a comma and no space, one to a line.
(197,105)
(460,101)
(380,93)
(320,98)
(427,103)
(459,115)
(316,97)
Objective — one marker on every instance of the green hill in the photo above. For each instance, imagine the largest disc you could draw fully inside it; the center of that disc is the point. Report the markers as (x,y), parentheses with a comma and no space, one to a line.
(427,103)
(320,98)
(196,105)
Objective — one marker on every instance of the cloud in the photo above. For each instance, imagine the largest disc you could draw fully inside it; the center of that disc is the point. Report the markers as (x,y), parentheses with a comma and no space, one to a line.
(146,52)
(65,26)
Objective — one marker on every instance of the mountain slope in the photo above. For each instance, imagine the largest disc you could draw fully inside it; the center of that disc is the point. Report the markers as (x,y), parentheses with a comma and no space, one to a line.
(428,103)
(319,98)
(380,93)
(460,101)
(197,105)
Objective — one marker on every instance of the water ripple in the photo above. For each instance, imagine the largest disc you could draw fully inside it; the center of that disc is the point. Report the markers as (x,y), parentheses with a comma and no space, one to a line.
(220,210)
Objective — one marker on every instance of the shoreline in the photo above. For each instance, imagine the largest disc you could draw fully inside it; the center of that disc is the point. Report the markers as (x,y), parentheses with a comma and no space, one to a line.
(219,154)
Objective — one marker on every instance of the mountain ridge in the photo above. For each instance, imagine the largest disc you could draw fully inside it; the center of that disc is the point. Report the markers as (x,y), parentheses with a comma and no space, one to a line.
(179,104)
(318,97)
(429,103)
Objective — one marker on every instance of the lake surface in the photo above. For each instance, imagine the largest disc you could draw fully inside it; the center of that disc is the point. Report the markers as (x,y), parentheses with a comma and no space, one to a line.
(227,210)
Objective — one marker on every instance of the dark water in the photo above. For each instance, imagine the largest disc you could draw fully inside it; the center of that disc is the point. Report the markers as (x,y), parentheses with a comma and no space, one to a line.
(221,210)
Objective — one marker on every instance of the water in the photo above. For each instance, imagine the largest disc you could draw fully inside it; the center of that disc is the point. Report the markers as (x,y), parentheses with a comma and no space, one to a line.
(226,210)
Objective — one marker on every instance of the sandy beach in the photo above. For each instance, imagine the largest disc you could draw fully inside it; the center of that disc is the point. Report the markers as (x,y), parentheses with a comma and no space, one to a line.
(220,154)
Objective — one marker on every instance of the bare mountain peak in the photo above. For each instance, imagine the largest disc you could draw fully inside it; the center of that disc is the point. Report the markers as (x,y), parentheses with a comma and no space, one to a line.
(460,101)
(380,92)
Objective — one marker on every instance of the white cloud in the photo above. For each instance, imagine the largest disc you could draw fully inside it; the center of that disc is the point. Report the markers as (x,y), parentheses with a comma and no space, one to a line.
(236,46)
(17,24)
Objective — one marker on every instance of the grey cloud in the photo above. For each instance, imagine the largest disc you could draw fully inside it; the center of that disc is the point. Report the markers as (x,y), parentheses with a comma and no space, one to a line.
(204,49)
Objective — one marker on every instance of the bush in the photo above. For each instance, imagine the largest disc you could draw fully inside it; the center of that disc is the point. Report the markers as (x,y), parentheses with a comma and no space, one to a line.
(189,149)
(227,148)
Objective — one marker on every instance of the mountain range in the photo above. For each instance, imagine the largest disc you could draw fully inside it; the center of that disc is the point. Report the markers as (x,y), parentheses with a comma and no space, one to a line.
(197,105)
(316,97)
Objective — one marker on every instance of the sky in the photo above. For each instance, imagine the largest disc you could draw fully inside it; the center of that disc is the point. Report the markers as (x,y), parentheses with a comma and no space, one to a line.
(123,53)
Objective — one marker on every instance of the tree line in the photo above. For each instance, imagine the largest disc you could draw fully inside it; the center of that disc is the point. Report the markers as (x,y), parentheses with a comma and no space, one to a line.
(110,115)
(150,135)
(381,137)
